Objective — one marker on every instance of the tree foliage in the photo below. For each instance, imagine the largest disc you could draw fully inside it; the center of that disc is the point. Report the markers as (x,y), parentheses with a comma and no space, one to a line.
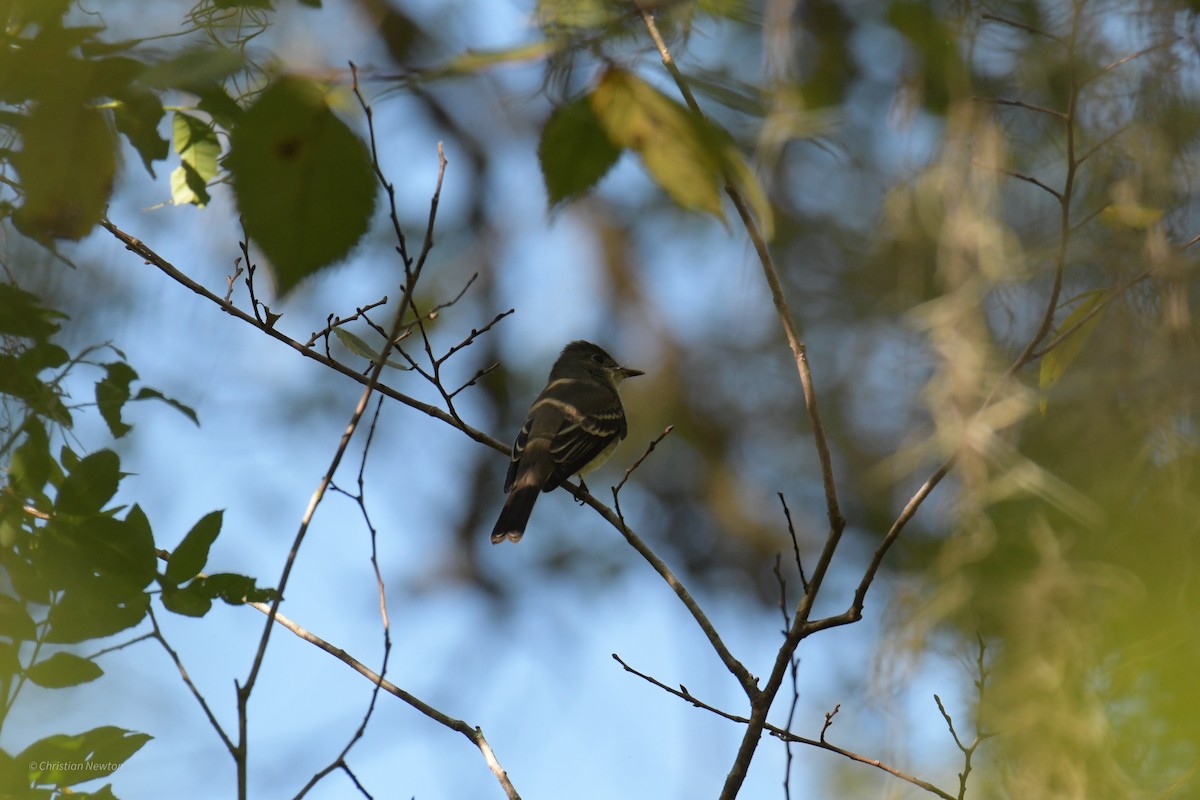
(977,363)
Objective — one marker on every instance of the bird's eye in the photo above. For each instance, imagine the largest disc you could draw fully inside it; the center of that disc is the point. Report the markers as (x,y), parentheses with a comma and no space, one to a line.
(599,359)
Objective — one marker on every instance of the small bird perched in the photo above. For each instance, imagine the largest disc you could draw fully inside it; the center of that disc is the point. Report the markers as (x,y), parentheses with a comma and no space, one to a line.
(573,426)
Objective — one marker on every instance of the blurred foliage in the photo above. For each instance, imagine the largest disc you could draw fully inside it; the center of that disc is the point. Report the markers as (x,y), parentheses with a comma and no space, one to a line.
(942,179)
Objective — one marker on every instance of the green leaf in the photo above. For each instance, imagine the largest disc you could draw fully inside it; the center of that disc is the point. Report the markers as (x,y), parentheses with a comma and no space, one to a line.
(1056,361)
(15,622)
(22,314)
(94,609)
(10,665)
(27,580)
(235,589)
(194,70)
(19,378)
(137,114)
(575,151)
(148,393)
(29,469)
(123,550)
(196,143)
(192,553)
(676,147)
(14,777)
(68,458)
(63,669)
(43,355)
(66,167)
(112,392)
(41,12)
(65,760)
(213,100)
(264,4)
(303,180)
(474,60)
(190,601)
(359,347)
(89,484)
(111,76)
(572,17)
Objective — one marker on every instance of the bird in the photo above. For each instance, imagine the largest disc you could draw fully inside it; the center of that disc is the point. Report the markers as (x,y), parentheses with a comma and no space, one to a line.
(572,428)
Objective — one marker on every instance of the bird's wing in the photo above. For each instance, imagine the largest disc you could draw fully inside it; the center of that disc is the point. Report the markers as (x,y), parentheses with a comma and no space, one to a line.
(581,439)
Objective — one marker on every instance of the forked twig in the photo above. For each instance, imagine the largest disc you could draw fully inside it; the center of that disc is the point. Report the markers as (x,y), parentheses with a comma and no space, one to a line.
(683,694)
(616,490)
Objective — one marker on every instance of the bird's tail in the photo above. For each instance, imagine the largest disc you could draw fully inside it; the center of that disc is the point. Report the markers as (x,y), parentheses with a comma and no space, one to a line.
(515,514)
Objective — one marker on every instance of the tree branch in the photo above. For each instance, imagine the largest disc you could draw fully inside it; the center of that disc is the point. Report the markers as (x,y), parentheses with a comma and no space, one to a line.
(683,694)
(761,700)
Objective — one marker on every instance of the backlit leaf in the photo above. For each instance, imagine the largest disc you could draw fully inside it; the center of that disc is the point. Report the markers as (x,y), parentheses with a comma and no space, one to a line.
(63,669)
(678,148)
(196,143)
(303,180)
(192,553)
(66,167)
(1056,361)
(575,151)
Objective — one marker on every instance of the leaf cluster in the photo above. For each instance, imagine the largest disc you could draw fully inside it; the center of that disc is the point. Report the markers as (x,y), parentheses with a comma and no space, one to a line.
(302,178)
(78,567)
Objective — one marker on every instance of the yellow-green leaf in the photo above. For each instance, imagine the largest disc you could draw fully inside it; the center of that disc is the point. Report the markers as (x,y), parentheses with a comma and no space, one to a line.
(1056,361)
(1131,215)
(355,344)
(676,146)
(198,148)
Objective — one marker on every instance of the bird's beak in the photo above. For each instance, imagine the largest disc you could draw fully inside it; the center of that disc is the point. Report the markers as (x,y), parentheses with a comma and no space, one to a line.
(627,372)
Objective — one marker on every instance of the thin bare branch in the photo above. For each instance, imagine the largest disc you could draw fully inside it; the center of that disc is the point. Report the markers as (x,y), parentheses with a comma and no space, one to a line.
(1165,43)
(829,715)
(795,661)
(473,335)
(336,321)
(187,680)
(761,700)
(360,498)
(237,273)
(616,490)
(1004,101)
(1030,179)
(747,681)
(968,750)
(473,733)
(114,648)
(682,693)
(152,258)
(787,736)
(245,689)
(1091,151)
(1066,333)
(1013,23)
(251,268)
(479,373)
(787,513)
